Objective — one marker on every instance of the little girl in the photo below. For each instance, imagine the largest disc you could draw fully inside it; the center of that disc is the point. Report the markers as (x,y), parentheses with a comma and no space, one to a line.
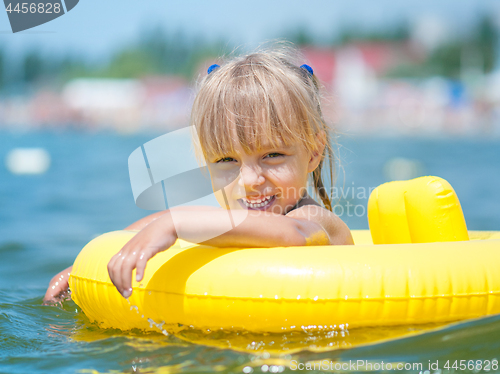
(262,134)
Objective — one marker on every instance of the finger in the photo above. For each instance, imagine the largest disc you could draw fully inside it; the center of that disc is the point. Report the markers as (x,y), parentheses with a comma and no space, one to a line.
(49,294)
(114,269)
(128,264)
(141,266)
(111,268)
(114,265)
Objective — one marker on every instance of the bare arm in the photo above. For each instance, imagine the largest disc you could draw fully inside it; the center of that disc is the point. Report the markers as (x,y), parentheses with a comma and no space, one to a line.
(139,225)
(251,229)
(337,230)
(255,229)
(58,285)
(143,222)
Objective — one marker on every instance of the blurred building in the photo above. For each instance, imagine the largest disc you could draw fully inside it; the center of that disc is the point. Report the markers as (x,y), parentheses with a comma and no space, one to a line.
(124,105)
(361,97)
(363,101)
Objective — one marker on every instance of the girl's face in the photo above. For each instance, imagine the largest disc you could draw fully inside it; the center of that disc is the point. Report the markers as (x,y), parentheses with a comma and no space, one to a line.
(272,179)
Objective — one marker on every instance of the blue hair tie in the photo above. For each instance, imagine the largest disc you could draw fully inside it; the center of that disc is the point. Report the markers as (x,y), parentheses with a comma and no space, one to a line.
(212,68)
(308,68)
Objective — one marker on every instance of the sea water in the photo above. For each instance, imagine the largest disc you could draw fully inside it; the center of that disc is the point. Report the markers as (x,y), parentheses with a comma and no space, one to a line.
(46,219)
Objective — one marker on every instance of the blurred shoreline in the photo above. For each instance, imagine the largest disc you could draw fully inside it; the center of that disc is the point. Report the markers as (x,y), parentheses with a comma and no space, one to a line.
(430,107)
(413,80)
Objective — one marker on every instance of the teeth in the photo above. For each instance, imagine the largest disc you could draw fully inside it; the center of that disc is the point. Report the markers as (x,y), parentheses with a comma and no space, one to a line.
(257,203)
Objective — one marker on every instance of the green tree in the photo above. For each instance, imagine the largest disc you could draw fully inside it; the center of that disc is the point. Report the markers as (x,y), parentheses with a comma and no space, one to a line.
(170,54)
(399,32)
(2,68)
(32,66)
(301,37)
(130,63)
(487,42)
(447,60)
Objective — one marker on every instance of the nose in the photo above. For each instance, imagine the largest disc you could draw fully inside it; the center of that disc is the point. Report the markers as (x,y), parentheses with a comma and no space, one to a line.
(251,176)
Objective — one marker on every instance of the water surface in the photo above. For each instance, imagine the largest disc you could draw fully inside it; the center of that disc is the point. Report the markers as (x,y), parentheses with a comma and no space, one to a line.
(46,219)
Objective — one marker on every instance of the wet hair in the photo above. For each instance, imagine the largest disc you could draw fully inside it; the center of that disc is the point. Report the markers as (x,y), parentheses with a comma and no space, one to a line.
(263,96)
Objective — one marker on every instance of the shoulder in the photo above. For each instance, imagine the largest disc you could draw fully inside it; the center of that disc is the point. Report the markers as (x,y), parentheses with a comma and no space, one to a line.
(336,229)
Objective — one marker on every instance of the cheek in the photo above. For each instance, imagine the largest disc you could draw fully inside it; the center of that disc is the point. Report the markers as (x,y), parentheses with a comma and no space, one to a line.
(224,184)
(224,181)
(290,180)
(288,175)
(223,178)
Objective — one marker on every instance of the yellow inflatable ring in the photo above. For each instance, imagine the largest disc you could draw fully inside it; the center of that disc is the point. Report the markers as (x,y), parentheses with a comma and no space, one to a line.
(276,289)
(282,289)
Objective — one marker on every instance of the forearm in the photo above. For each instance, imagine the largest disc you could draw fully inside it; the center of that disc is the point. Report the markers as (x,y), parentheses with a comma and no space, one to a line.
(245,229)
(140,224)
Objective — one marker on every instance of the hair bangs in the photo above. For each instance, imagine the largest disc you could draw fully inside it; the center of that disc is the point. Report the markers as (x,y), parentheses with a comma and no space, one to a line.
(252,111)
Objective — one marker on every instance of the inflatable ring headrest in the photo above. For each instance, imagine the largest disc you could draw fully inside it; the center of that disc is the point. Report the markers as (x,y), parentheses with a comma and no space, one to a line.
(421,210)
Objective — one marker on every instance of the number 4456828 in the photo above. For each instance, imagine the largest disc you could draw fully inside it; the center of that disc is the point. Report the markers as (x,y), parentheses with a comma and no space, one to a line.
(477,365)
(34,8)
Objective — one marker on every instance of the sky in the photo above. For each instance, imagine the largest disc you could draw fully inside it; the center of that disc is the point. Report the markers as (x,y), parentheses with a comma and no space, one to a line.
(96,28)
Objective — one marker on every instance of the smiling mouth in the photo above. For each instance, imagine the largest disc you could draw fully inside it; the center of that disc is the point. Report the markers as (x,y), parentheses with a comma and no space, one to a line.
(258,204)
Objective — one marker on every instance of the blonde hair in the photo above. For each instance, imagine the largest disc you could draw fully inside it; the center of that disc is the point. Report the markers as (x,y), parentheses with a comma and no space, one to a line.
(262,95)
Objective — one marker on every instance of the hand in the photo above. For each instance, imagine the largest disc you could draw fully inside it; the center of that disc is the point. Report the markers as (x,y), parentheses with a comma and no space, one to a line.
(58,288)
(157,236)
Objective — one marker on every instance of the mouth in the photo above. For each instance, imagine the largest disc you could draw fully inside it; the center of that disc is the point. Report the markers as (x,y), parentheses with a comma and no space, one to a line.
(257,204)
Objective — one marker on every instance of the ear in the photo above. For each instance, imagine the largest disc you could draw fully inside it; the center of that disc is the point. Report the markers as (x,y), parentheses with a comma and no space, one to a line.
(317,155)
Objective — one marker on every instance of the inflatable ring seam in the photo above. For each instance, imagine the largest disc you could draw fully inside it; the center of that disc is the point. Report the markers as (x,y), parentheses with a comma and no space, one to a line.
(332,300)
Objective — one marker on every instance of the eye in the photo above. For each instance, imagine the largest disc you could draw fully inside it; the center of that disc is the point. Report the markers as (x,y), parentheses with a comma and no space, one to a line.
(274,155)
(225,159)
